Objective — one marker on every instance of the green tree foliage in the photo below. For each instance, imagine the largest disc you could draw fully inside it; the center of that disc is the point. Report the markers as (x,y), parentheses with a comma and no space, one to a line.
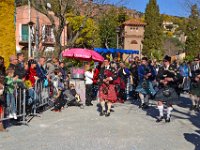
(89,34)
(107,26)
(153,35)
(108,22)
(192,44)
(7,29)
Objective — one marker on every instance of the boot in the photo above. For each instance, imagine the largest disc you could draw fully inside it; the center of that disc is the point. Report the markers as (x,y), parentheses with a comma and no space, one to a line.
(193,107)
(167,120)
(197,108)
(160,119)
(102,113)
(107,114)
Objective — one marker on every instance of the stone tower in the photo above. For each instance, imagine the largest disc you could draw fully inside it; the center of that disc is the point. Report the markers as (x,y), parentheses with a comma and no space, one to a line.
(133,35)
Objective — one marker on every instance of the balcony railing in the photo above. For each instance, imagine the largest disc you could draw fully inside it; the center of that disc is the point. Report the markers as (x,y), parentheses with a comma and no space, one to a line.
(48,40)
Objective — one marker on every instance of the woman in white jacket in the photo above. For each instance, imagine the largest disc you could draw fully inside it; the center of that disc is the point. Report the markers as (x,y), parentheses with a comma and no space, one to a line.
(88,85)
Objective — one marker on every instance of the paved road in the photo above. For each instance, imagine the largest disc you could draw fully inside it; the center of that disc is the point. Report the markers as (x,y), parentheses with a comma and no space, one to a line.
(128,128)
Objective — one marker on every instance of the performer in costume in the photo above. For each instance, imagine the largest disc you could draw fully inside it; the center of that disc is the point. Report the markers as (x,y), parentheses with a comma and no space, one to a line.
(145,87)
(195,86)
(166,95)
(123,74)
(107,93)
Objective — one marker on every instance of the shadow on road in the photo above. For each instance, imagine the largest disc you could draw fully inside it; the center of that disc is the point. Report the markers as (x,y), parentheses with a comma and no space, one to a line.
(193,138)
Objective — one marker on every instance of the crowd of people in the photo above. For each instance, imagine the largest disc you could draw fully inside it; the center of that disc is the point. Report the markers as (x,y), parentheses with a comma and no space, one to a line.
(160,81)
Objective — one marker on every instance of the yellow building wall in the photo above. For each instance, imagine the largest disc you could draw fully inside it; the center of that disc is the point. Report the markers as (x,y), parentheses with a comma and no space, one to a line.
(7,29)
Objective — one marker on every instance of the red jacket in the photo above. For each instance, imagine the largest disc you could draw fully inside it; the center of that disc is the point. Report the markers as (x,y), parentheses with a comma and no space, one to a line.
(31,74)
(95,76)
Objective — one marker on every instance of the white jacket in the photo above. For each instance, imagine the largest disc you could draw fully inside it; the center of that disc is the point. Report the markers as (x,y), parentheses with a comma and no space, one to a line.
(88,77)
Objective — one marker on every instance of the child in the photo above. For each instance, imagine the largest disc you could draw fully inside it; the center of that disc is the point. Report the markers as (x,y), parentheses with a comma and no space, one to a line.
(10,87)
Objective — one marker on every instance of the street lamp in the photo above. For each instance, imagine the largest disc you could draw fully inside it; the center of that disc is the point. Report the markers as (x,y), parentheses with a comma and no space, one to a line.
(117,30)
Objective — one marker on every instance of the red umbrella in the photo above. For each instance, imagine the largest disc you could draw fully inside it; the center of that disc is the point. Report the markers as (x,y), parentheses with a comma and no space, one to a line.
(82,54)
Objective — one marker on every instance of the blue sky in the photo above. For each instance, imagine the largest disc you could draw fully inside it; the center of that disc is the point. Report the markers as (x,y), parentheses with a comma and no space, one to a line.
(171,7)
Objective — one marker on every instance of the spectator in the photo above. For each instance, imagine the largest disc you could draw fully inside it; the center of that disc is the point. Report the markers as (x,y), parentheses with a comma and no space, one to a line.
(2,102)
(63,70)
(56,63)
(20,69)
(13,64)
(31,72)
(10,81)
(41,72)
(2,67)
(88,85)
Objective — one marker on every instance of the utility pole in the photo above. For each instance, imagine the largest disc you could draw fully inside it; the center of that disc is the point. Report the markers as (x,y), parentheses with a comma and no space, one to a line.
(29,30)
(117,30)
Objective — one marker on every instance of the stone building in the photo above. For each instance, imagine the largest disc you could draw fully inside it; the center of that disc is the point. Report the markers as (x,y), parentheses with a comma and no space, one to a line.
(133,35)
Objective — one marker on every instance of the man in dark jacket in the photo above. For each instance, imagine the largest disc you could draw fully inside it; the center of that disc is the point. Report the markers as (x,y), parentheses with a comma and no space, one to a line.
(20,70)
(41,72)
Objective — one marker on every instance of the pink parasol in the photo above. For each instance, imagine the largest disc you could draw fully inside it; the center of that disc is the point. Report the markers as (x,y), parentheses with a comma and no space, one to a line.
(82,54)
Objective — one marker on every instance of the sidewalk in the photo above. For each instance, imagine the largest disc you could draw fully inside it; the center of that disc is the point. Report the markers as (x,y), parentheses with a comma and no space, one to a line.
(128,128)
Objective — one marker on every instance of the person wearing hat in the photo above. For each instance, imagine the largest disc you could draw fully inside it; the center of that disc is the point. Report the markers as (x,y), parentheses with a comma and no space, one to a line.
(145,87)
(167,79)
(107,93)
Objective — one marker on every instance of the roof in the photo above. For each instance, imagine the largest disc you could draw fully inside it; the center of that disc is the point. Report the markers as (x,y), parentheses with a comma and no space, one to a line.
(134,22)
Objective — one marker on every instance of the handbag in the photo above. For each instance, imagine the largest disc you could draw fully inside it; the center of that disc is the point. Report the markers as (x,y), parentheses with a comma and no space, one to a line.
(46,83)
(105,89)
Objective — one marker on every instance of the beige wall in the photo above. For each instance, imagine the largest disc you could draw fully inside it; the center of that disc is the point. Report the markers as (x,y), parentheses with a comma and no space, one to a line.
(133,34)
(22,17)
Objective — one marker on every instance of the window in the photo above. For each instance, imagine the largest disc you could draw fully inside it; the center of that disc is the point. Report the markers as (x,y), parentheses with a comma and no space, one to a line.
(47,33)
(134,28)
(24,32)
(48,30)
(134,42)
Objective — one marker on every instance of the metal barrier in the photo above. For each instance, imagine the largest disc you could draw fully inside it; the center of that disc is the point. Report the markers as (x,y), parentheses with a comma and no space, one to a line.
(43,96)
(23,108)
(20,104)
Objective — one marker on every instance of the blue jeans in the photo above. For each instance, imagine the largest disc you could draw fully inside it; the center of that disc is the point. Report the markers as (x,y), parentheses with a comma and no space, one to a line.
(10,101)
(32,96)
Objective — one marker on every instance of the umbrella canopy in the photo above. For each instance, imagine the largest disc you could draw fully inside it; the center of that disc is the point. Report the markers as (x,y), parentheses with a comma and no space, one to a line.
(82,54)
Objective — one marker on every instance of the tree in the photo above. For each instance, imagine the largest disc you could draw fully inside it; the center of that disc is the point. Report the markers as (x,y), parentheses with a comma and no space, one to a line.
(108,22)
(107,27)
(7,29)
(88,35)
(192,44)
(60,8)
(153,35)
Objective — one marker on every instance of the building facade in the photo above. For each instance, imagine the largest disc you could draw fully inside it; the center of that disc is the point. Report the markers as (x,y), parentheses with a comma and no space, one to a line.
(42,36)
(133,35)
